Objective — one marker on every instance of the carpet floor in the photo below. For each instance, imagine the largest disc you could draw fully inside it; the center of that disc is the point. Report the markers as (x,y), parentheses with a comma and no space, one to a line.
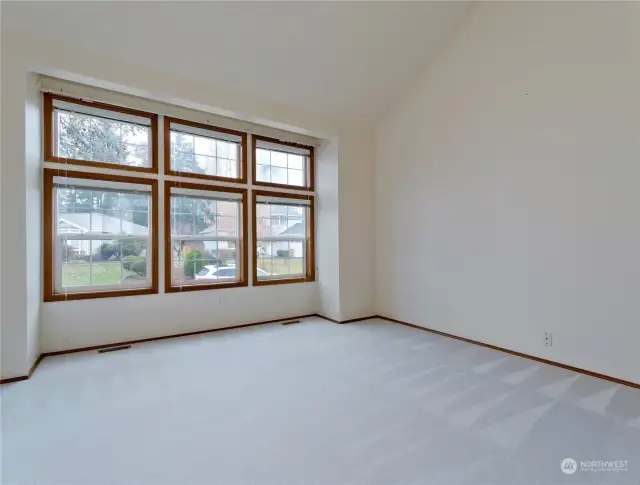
(315,402)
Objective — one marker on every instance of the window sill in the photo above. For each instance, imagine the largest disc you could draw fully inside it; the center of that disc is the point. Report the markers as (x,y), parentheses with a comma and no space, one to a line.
(207,286)
(99,294)
(283,186)
(282,281)
(111,166)
(199,176)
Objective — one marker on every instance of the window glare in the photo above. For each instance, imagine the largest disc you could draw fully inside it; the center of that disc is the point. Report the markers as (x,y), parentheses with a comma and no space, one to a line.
(93,139)
(279,167)
(202,155)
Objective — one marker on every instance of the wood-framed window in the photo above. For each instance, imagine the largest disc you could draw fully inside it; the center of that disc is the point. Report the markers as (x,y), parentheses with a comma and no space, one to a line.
(203,151)
(79,132)
(282,164)
(283,238)
(206,243)
(100,235)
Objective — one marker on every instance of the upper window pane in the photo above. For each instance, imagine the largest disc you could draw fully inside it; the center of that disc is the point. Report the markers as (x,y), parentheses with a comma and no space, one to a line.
(204,152)
(99,135)
(282,164)
(86,210)
(194,216)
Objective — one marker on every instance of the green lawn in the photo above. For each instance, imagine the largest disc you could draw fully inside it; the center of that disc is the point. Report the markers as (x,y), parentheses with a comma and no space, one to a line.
(109,272)
(281,266)
(102,273)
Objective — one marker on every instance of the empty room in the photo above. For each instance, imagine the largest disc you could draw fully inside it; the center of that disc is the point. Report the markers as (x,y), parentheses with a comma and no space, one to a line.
(260,243)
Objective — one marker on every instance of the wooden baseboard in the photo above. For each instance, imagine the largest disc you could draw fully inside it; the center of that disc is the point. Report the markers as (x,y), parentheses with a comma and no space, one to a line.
(346,321)
(24,378)
(518,354)
(14,379)
(176,335)
(35,364)
(98,347)
(418,327)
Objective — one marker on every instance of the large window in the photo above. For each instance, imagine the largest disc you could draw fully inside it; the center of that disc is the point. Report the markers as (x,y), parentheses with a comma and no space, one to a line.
(86,133)
(283,238)
(282,164)
(99,235)
(203,151)
(100,230)
(205,237)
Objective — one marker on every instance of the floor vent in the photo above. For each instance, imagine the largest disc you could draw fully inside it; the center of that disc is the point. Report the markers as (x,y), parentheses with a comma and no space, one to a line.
(113,349)
(290,322)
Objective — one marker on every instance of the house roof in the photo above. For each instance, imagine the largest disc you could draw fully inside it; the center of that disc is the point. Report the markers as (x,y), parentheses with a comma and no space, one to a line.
(98,222)
(296,230)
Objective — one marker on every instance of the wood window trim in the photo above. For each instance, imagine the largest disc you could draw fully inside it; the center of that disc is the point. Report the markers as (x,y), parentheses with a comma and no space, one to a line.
(49,293)
(167,151)
(310,242)
(311,168)
(243,238)
(49,140)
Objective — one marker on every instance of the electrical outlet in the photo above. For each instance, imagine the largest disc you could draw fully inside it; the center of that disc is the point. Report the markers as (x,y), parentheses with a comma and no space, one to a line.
(548,339)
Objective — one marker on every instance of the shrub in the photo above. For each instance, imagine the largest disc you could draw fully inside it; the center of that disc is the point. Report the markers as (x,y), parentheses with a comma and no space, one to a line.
(195,261)
(129,260)
(106,251)
(139,267)
(284,253)
(109,249)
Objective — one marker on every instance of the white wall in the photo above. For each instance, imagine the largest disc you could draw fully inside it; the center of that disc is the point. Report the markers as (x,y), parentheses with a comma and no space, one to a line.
(13,308)
(327,229)
(357,235)
(33,204)
(507,186)
(82,323)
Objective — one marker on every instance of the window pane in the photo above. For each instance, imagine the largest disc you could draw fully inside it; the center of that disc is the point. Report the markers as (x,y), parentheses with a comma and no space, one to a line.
(279,166)
(278,159)
(205,146)
(280,257)
(104,262)
(296,177)
(206,165)
(278,175)
(227,150)
(91,138)
(227,168)
(263,157)
(263,173)
(204,155)
(296,162)
(280,220)
(90,210)
(196,262)
(192,216)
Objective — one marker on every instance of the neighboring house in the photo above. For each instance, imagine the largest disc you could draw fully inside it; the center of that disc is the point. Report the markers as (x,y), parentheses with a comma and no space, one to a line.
(281,223)
(82,222)
(224,225)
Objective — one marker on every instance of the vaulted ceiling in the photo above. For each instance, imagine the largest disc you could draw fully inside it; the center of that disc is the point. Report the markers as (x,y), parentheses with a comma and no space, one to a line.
(340,60)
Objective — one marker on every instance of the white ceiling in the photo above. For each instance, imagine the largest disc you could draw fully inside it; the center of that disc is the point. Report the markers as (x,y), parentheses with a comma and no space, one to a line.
(340,60)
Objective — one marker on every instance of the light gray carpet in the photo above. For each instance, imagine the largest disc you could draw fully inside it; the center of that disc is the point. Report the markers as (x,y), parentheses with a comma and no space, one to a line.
(315,402)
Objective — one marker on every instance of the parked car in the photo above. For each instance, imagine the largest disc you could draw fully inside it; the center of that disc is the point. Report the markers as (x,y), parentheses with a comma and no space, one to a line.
(212,272)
